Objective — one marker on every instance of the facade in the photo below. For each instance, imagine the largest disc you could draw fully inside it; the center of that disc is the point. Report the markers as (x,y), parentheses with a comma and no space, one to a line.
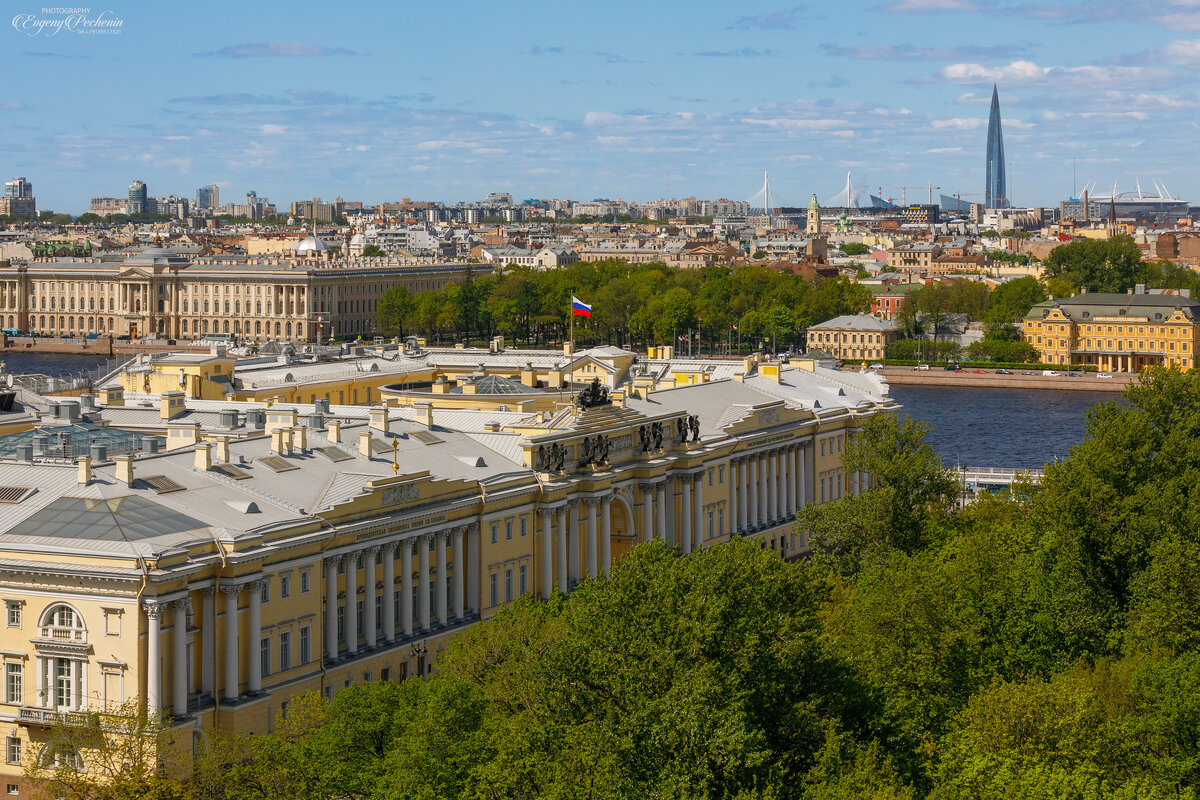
(813,222)
(912,258)
(995,193)
(157,292)
(1116,332)
(853,337)
(107,206)
(920,214)
(285,552)
(208,198)
(18,200)
(887,301)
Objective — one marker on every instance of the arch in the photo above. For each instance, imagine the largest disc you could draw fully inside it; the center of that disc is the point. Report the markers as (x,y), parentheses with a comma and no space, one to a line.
(620,517)
(62,615)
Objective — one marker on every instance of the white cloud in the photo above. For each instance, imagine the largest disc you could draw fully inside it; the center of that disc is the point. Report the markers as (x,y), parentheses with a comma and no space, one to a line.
(1088,76)
(1184,52)
(958,123)
(272,130)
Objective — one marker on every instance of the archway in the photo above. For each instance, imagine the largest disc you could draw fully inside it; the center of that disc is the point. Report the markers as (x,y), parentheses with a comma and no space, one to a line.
(621,526)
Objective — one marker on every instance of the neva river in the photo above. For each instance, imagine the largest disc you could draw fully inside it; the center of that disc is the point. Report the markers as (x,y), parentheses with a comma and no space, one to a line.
(1000,427)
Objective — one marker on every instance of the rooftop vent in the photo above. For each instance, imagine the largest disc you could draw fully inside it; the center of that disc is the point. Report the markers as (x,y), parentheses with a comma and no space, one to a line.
(277,463)
(335,453)
(161,484)
(230,471)
(15,494)
(426,437)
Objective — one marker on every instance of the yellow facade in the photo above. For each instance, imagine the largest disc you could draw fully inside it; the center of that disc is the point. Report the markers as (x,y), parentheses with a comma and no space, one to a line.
(1114,337)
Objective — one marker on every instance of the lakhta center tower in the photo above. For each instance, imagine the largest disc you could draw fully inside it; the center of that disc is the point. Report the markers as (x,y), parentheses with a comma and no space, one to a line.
(996,192)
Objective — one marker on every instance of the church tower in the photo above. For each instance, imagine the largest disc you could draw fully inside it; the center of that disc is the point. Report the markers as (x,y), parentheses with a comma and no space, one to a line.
(814,216)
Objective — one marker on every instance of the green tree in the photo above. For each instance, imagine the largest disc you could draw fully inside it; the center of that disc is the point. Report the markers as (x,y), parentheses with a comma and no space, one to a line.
(1098,265)
(373,251)
(396,307)
(855,249)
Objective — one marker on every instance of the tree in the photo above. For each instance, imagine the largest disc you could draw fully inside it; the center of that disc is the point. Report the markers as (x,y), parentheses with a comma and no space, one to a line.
(855,249)
(1098,265)
(395,307)
(910,492)
(373,251)
(122,754)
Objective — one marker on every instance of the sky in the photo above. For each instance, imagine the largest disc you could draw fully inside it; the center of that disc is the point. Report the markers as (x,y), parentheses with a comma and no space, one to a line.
(634,100)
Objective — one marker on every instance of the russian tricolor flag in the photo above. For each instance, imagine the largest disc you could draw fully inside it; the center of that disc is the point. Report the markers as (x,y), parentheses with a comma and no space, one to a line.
(580,308)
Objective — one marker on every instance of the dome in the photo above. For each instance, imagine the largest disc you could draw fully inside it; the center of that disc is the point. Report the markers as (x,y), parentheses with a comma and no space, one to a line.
(358,238)
(310,245)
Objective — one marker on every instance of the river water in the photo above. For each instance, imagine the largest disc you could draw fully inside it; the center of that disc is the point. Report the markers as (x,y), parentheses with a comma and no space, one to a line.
(1000,427)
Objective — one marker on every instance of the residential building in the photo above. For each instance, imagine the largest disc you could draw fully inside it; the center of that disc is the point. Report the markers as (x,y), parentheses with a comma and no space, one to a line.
(912,257)
(208,198)
(1116,332)
(107,206)
(853,337)
(920,214)
(136,204)
(18,200)
(886,301)
(554,256)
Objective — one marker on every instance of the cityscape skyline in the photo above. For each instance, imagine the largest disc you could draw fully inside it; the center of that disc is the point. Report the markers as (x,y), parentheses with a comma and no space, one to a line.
(560,102)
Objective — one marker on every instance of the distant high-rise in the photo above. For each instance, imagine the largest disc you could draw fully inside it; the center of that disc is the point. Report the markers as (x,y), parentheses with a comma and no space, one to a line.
(137,198)
(18,188)
(208,197)
(995,194)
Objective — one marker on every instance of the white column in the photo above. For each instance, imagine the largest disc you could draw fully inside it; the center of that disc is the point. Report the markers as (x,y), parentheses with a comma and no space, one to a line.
(563,586)
(179,685)
(743,493)
(789,482)
(606,534)
(351,612)
(752,493)
(153,662)
(388,551)
(547,566)
(253,659)
(647,512)
(574,562)
(685,530)
(763,509)
(77,698)
(733,495)
(331,607)
(460,569)
(423,581)
(208,636)
(440,587)
(854,482)
(232,680)
(369,561)
(661,507)
(43,690)
(406,585)
(593,557)
(473,567)
(810,474)
(698,517)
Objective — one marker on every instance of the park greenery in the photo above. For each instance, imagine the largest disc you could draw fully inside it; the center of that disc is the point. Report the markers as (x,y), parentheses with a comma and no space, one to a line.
(1038,644)
(632,305)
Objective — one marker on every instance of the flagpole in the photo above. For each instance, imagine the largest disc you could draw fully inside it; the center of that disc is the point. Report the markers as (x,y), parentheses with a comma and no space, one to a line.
(572,325)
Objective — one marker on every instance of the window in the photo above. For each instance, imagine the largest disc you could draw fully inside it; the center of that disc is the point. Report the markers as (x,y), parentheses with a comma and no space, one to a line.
(341,623)
(285,650)
(358,622)
(14,683)
(378,613)
(822,490)
(822,447)
(264,594)
(305,582)
(64,682)
(720,474)
(495,528)
(508,530)
(305,644)
(13,789)
(285,586)
(712,517)
(508,585)
(494,587)
(524,578)
(12,753)
(264,655)
(14,613)
(524,526)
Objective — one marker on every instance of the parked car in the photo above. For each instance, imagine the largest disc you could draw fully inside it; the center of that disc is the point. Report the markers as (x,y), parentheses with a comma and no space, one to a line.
(1027,372)
(1103,375)
(1072,374)
(1049,373)
(877,366)
(1005,372)
(952,367)
(980,371)
(922,367)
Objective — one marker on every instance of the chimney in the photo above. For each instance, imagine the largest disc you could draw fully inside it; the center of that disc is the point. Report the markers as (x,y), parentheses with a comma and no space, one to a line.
(98,452)
(321,405)
(204,459)
(568,348)
(25,452)
(379,419)
(300,437)
(222,447)
(113,396)
(281,418)
(171,405)
(424,410)
(277,440)
(150,444)
(85,470)
(316,421)
(182,434)
(256,418)
(364,444)
(124,469)
(334,431)
(287,440)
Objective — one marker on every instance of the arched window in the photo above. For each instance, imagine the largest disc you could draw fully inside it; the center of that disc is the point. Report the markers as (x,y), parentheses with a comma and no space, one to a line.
(62,616)
(226,326)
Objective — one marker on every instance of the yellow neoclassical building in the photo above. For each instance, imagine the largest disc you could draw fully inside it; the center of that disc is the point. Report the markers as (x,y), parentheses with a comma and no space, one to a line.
(1116,332)
(307,547)
(158,292)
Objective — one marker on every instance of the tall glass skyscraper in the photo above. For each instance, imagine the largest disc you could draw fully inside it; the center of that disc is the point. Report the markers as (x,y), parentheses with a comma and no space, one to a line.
(995,195)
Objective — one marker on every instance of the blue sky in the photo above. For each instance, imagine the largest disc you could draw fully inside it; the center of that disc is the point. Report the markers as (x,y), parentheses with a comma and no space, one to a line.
(448,101)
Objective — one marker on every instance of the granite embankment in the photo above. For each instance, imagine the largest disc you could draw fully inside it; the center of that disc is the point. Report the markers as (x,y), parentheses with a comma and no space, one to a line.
(907,376)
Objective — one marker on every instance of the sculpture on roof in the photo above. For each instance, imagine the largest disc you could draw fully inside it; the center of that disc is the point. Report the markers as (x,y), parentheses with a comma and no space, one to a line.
(592,395)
